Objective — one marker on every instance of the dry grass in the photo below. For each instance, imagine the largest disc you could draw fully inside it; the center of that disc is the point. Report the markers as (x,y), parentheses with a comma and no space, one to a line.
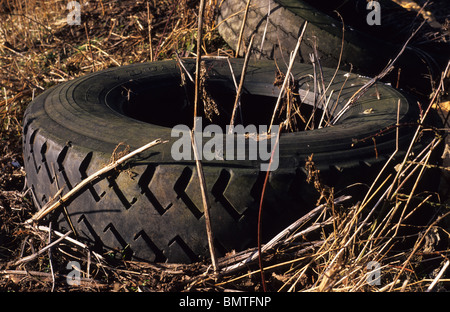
(336,247)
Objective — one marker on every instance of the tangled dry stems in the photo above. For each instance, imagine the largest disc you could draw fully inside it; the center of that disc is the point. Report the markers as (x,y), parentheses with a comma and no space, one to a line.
(339,246)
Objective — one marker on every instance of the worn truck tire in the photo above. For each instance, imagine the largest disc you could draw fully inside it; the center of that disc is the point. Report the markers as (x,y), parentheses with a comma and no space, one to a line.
(363,51)
(151,208)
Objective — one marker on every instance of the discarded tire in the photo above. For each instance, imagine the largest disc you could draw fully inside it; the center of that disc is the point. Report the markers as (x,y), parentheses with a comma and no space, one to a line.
(151,209)
(366,49)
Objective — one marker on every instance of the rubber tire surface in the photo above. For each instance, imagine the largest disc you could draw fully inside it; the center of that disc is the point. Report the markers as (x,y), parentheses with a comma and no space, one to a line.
(152,208)
(363,53)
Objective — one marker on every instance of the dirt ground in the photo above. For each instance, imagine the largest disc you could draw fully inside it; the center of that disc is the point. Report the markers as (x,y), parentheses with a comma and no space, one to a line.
(38,50)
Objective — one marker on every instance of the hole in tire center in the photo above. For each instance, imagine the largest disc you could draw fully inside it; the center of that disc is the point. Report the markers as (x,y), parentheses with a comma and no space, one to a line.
(169,104)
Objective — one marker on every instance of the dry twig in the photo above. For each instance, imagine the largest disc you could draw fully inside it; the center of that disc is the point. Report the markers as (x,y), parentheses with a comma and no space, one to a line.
(241,84)
(241,33)
(203,189)
(36,254)
(73,192)
(286,78)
